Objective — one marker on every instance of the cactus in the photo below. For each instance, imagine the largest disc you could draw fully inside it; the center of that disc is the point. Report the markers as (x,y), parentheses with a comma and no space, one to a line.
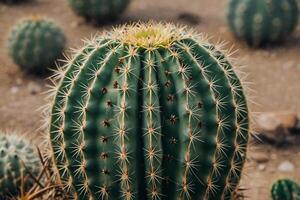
(262,21)
(18,159)
(35,44)
(149,111)
(100,11)
(285,189)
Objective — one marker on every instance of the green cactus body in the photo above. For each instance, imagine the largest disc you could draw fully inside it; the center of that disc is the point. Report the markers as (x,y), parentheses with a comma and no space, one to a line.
(262,21)
(285,189)
(149,112)
(35,44)
(100,11)
(18,158)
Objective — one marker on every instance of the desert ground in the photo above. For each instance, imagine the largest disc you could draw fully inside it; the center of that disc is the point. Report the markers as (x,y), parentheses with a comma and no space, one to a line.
(273,72)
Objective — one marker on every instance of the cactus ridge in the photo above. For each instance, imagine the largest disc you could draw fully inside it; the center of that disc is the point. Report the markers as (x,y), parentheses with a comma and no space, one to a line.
(285,189)
(262,21)
(35,43)
(99,10)
(134,119)
(17,158)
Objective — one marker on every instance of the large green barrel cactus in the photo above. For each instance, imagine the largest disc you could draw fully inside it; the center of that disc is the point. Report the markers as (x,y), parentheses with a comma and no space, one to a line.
(149,112)
(285,189)
(101,11)
(18,159)
(35,43)
(262,21)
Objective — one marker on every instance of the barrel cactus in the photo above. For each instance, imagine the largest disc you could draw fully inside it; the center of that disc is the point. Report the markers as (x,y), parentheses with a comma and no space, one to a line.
(101,11)
(149,111)
(35,43)
(18,159)
(262,21)
(285,189)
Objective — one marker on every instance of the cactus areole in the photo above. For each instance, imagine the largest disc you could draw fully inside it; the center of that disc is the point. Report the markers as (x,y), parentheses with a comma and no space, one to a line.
(149,111)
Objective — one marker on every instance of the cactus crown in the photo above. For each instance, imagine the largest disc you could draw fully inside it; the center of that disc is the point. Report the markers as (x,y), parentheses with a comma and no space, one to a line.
(147,35)
(149,111)
(18,158)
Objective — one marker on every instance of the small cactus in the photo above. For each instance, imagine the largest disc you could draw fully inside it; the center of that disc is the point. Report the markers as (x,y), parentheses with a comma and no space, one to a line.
(262,21)
(149,111)
(18,159)
(35,44)
(285,189)
(100,11)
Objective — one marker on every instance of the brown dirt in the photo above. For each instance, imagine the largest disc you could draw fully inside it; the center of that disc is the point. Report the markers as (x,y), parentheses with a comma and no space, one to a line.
(274,72)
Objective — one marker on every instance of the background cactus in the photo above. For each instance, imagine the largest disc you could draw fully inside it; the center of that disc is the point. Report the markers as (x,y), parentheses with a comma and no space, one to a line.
(99,10)
(18,159)
(285,189)
(149,112)
(262,21)
(35,44)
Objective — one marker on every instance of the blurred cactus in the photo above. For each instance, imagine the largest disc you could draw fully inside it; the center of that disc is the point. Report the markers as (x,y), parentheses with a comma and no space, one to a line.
(18,159)
(101,11)
(285,189)
(149,111)
(35,44)
(262,21)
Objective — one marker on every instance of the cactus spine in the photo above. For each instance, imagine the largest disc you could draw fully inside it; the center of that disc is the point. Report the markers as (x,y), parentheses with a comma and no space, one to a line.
(149,112)
(100,11)
(18,158)
(35,43)
(262,21)
(285,189)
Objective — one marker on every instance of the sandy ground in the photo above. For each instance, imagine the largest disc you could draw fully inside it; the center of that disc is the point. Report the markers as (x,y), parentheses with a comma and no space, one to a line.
(273,71)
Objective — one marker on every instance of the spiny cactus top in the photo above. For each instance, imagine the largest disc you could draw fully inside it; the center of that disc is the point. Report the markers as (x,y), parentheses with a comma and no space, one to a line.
(99,10)
(149,112)
(18,158)
(262,21)
(285,189)
(35,43)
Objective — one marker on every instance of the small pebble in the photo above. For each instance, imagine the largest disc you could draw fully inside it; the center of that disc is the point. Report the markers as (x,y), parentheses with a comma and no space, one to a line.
(34,88)
(14,90)
(260,157)
(261,167)
(286,166)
